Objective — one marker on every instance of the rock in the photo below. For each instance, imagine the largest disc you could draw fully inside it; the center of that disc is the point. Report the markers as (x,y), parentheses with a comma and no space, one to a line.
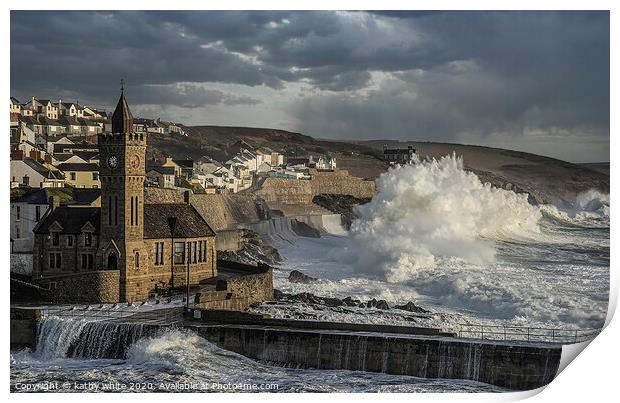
(372,303)
(348,301)
(332,302)
(298,277)
(302,229)
(411,307)
(382,304)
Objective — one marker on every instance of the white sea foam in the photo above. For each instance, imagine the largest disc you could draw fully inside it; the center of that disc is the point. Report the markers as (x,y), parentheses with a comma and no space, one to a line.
(435,209)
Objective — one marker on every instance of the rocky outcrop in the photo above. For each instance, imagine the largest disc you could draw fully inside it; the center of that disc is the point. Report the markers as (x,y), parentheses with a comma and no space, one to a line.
(252,249)
(302,229)
(308,298)
(341,204)
(411,307)
(298,277)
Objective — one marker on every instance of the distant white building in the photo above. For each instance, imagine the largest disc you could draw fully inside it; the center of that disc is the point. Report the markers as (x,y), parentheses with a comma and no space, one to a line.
(325,164)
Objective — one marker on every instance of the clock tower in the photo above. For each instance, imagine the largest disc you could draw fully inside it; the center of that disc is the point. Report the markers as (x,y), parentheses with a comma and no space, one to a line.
(122,171)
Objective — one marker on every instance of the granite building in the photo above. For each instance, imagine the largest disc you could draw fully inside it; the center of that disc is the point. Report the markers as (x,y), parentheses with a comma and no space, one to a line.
(127,249)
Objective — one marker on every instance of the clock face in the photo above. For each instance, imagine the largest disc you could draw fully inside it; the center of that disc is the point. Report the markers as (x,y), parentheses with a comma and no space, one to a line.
(134,161)
(112,161)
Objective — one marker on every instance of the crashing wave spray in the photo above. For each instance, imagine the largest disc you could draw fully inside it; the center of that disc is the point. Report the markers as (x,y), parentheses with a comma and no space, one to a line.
(435,208)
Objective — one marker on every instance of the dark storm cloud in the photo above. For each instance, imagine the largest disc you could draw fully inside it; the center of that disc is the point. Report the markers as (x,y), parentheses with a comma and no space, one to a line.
(379,74)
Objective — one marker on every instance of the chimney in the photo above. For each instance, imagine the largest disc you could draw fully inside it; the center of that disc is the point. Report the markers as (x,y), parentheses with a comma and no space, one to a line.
(54,202)
(187,195)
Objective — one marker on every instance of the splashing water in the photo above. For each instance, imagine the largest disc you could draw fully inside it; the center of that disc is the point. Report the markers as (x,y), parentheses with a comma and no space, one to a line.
(435,208)
(436,235)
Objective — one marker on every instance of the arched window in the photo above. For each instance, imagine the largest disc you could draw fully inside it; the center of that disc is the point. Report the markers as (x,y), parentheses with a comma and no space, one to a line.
(137,259)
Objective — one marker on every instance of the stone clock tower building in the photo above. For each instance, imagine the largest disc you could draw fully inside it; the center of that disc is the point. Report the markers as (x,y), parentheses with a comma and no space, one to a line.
(122,171)
(125,250)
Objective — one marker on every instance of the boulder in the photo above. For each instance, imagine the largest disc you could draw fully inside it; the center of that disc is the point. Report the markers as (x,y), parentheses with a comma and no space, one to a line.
(298,277)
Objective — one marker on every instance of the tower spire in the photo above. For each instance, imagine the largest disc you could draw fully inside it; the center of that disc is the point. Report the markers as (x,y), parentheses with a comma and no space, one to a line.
(122,120)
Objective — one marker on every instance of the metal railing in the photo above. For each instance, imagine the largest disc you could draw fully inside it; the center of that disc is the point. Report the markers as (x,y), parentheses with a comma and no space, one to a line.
(532,334)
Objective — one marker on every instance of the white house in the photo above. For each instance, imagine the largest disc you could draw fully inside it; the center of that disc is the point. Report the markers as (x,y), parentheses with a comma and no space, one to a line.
(26,212)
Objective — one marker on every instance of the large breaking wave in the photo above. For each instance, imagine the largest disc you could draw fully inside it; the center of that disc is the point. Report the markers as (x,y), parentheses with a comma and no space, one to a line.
(436,208)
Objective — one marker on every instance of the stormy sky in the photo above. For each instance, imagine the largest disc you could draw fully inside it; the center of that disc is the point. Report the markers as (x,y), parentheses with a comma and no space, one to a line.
(531,81)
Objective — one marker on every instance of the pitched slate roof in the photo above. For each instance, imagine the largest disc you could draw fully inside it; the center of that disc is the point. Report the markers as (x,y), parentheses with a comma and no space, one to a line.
(41,169)
(184,163)
(36,196)
(85,196)
(59,148)
(78,167)
(72,219)
(49,122)
(86,155)
(68,120)
(190,223)
(161,170)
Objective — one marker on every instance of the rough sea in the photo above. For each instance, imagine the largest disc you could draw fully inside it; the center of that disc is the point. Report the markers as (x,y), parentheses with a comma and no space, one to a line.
(434,235)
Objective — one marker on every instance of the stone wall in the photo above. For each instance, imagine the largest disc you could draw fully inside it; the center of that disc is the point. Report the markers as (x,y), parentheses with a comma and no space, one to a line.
(226,211)
(151,278)
(516,366)
(254,284)
(279,192)
(21,263)
(228,240)
(94,286)
(24,328)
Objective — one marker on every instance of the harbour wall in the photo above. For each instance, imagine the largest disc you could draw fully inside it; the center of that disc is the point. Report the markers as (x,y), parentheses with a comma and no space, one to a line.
(512,366)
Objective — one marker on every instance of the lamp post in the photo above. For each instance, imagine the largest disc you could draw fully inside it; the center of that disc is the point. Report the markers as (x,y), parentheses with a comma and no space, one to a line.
(189,256)
(172,224)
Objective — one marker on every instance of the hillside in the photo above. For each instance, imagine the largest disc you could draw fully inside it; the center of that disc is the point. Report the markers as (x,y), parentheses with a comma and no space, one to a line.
(545,179)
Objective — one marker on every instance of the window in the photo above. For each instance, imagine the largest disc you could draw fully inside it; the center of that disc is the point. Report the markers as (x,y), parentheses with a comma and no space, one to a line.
(18,212)
(55,238)
(88,239)
(17,232)
(69,240)
(37,213)
(95,176)
(131,210)
(84,261)
(179,252)
(158,253)
(115,210)
(137,258)
(55,260)
(26,180)
(200,251)
(194,253)
(204,251)
(72,175)
(52,286)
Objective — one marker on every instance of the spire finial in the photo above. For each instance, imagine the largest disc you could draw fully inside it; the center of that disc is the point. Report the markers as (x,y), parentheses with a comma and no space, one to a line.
(122,85)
